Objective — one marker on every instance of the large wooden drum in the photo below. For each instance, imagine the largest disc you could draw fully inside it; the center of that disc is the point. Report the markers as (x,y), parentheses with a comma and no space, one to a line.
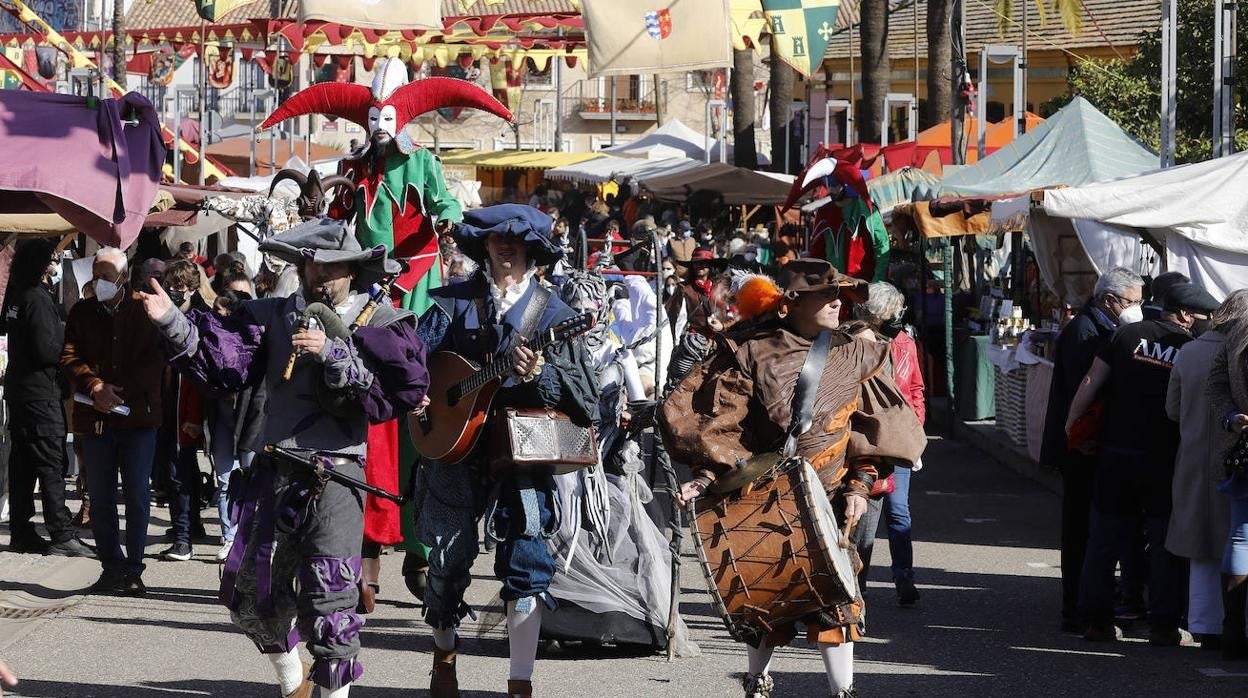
(772,553)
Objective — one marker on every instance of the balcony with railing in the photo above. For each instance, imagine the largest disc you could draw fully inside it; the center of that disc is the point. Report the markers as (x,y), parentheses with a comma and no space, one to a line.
(634,99)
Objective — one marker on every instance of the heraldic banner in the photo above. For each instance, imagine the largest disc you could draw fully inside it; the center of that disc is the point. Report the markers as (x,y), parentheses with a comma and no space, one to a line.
(214,10)
(375,14)
(627,37)
(802,29)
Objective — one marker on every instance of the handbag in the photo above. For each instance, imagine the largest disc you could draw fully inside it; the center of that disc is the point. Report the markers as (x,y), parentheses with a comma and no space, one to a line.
(883,486)
(542,438)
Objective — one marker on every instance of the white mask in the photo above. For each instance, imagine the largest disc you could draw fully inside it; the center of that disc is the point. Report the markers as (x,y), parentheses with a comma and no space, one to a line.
(55,277)
(1131,315)
(105,290)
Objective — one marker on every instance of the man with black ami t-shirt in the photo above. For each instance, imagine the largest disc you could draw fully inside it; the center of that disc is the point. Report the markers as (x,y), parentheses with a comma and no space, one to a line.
(1133,476)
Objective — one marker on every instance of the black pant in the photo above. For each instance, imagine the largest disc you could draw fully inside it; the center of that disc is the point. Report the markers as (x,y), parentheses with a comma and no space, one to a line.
(38,455)
(1078,474)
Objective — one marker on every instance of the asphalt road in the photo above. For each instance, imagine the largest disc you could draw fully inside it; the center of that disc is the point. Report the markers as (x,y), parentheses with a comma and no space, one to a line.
(987,623)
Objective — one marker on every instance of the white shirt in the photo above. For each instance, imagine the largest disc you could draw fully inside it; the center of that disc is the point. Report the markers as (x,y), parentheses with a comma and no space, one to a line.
(505,300)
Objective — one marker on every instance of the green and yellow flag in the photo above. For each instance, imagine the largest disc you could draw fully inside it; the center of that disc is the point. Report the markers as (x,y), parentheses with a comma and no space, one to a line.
(802,29)
(214,10)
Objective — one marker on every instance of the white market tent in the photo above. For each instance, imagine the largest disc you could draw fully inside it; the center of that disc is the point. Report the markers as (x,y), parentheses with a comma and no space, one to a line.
(609,168)
(1197,211)
(673,139)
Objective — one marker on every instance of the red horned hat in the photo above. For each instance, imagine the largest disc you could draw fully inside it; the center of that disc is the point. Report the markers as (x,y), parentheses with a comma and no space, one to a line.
(355,102)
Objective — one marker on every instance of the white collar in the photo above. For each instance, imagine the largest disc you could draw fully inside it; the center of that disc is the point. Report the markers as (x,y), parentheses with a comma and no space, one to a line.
(505,300)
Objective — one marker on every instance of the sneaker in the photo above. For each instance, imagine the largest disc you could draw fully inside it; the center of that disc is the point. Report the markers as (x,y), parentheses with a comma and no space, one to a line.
(223,552)
(132,585)
(758,685)
(108,583)
(1101,632)
(73,547)
(179,552)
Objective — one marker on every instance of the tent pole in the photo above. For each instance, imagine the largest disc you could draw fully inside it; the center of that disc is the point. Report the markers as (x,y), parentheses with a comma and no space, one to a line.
(947,268)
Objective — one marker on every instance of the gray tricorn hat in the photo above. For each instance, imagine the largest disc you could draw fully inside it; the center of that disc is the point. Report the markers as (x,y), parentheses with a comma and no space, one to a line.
(329,241)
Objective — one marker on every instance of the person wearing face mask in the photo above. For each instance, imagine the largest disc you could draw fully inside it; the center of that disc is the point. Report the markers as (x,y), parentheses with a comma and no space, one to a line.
(181,436)
(112,358)
(1116,296)
(882,310)
(1135,469)
(34,396)
(680,248)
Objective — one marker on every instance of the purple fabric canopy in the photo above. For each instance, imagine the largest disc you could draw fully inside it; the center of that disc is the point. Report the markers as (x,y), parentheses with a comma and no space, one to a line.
(83,164)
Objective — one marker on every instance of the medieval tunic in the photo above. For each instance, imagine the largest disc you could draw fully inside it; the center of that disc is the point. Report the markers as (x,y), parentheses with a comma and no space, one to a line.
(294,569)
(738,403)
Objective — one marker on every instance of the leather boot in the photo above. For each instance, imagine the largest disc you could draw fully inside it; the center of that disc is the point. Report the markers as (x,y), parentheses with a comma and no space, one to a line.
(1234,598)
(306,688)
(519,689)
(442,680)
(83,518)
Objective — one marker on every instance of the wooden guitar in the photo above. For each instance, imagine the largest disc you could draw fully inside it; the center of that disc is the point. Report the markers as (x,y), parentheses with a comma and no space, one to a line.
(461,392)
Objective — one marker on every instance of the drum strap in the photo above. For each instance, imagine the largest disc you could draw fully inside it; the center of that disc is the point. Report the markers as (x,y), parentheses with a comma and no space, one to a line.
(804,393)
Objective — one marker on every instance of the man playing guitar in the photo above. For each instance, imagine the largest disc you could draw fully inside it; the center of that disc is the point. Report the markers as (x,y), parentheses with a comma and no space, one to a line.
(493,317)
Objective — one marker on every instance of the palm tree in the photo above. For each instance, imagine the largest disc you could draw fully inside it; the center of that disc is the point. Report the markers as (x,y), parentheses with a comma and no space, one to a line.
(873,18)
(781,85)
(939,63)
(744,112)
(1070,12)
(119,41)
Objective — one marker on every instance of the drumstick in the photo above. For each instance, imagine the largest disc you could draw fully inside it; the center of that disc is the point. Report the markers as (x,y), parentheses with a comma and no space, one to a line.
(847,536)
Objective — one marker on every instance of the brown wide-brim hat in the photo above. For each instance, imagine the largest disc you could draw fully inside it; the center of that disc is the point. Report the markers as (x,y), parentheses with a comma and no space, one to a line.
(807,275)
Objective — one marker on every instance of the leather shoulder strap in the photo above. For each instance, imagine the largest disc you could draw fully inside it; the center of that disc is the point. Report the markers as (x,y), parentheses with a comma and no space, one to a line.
(807,388)
(533,313)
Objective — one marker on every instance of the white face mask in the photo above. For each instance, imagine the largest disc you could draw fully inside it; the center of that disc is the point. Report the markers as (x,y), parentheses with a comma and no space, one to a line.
(1131,315)
(105,290)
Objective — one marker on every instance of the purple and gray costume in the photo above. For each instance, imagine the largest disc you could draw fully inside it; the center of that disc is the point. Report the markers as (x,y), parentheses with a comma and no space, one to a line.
(291,527)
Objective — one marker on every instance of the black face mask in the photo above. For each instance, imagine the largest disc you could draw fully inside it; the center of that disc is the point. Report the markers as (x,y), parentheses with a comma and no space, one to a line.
(892,328)
(178,297)
(1199,327)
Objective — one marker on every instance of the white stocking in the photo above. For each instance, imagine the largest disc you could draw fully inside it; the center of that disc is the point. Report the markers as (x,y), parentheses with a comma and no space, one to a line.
(289,670)
(759,658)
(838,662)
(444,638)
(340,692)
(523,629)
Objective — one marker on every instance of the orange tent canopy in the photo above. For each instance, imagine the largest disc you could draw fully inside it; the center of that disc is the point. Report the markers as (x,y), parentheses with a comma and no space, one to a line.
(1002,132)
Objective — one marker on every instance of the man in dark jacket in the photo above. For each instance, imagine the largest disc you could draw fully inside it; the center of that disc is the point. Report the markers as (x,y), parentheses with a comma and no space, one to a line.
(32,389)
(1132,481)
(112,357)
(1115,302)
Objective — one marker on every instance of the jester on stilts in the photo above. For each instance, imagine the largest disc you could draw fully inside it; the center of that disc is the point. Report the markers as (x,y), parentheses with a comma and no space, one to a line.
(848,230)
(400,201)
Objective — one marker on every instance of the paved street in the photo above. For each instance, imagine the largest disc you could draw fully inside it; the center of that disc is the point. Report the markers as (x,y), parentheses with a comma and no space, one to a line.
(987,623)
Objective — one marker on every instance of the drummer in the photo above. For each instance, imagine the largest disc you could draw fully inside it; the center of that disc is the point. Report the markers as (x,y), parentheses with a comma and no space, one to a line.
(738,403)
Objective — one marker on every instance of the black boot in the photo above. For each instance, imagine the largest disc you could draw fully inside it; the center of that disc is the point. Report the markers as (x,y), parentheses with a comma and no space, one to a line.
(1234,591)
